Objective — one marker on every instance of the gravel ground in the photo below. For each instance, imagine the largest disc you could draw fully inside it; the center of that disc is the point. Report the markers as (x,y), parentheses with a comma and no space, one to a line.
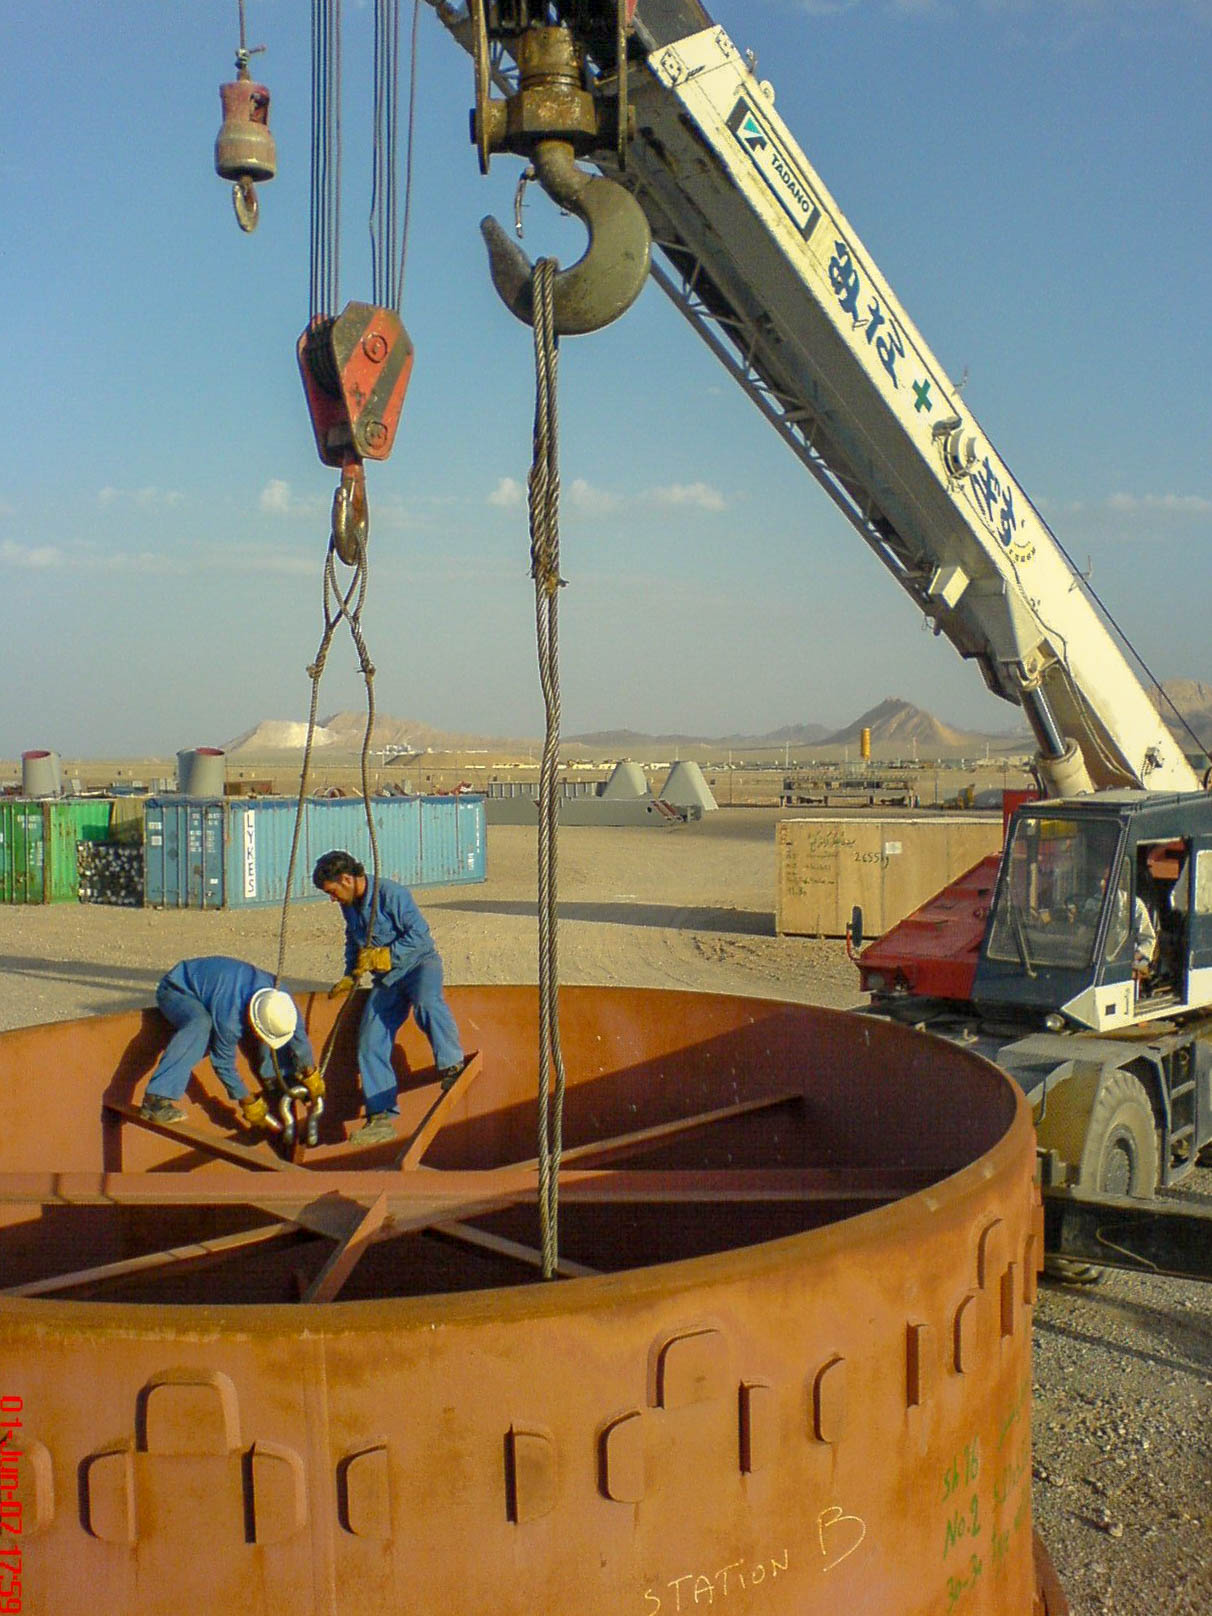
(1123,1370)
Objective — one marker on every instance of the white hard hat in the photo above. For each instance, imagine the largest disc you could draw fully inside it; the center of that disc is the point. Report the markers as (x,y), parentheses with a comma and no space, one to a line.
(273,1016)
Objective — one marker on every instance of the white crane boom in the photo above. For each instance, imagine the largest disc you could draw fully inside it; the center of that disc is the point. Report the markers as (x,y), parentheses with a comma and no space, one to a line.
(763,263)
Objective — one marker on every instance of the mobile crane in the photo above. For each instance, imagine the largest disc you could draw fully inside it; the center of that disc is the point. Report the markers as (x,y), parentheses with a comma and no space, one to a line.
(1110,1039)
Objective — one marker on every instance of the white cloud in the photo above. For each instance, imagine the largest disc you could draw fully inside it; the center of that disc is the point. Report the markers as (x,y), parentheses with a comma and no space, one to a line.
(275,497)
(270,561)
(91,558)
(587,499)
(145,499)
(584,497)
(37,558)
(508,492)
(699,496)
(1168,504)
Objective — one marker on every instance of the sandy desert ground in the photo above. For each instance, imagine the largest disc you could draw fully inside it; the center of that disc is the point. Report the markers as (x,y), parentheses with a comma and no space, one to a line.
(1123,1370)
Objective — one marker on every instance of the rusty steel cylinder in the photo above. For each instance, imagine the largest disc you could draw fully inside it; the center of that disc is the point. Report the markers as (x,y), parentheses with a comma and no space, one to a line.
(786,1370)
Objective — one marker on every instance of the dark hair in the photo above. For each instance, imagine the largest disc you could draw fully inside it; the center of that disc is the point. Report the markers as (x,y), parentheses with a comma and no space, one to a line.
(332,866)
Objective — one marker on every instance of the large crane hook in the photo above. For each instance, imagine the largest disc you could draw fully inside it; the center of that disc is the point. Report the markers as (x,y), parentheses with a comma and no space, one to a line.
(608,277)
(556,114)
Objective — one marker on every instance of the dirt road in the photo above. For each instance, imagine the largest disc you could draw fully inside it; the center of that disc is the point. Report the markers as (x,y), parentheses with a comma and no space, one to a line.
(1123,1420)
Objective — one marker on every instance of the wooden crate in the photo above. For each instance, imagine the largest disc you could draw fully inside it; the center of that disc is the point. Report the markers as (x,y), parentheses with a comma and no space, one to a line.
(887,866)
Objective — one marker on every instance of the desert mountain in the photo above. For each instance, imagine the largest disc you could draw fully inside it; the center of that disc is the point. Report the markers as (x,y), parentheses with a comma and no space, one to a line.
(893,723)
(900,723)
(277,735)
(343,732)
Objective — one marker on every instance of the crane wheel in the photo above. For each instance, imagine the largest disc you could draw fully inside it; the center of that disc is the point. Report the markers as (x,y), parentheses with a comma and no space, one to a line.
(1119,1157)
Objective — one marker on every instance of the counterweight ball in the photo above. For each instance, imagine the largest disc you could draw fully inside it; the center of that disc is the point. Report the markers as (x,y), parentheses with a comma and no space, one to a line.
(244,148)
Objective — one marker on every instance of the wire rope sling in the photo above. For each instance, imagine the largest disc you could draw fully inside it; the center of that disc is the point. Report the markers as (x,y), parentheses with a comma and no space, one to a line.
(355,367)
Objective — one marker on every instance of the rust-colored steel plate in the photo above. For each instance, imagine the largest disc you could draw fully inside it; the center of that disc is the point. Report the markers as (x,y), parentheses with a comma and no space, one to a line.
(789,1370)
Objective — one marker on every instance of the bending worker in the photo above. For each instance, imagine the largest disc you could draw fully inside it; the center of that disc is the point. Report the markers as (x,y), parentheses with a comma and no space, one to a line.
(407,972)
(210,1002)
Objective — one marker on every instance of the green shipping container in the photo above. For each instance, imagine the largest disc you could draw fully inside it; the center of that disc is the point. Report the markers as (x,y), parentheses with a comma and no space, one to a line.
(38,846)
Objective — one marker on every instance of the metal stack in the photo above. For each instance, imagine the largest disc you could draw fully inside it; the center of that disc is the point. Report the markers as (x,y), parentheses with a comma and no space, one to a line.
(111,872)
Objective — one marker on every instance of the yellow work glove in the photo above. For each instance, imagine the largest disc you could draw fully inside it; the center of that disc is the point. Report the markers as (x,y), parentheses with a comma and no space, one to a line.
(312,1081)
(254,1111)
(343,986)
(373,959)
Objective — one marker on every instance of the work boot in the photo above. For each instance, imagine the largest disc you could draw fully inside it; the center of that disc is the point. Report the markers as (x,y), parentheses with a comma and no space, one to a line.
(376,1130)
(448,1074)
(156,1108)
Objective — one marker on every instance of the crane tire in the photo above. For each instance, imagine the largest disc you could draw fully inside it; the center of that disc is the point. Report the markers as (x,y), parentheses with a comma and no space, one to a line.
(1121,1154)
(1120,1157)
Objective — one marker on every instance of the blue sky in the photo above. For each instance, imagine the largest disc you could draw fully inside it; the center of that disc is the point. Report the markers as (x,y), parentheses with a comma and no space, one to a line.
(1030,175)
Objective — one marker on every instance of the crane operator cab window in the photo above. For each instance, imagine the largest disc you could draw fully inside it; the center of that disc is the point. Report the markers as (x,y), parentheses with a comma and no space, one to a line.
(1053,893)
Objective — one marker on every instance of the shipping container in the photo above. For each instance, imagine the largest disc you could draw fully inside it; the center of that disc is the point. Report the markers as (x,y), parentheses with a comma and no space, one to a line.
(422,841)
(340,822)
(38,840)
(260,831)
(235,853)
(21,851)
(889,867)
(183,850)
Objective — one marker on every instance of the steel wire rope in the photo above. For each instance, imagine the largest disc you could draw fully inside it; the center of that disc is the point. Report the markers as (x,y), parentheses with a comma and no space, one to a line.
(338,604)
(326,155)
(382,220)
(388,237)
(544,497)
(408,150)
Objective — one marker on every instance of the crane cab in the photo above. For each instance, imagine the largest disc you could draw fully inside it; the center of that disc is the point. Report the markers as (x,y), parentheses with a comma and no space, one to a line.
(1102,915)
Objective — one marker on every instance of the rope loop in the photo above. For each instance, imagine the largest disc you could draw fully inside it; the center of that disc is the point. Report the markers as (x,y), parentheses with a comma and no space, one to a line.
(338,605)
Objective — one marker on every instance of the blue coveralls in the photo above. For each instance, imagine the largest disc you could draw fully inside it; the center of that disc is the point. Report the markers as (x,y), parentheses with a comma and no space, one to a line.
(207,1001)
(413,983)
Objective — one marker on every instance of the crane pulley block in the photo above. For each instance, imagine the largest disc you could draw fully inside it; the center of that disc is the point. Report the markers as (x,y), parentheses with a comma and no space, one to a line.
(355,368)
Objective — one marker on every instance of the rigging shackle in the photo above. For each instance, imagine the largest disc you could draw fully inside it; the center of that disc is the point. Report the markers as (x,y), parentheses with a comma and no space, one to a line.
(244,147)
(610,274)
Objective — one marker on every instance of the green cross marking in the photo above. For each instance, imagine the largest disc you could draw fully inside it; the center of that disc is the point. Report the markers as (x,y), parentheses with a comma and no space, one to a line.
(922,392)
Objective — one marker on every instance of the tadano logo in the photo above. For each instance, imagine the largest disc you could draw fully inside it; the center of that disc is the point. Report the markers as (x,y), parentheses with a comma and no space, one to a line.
(775,167)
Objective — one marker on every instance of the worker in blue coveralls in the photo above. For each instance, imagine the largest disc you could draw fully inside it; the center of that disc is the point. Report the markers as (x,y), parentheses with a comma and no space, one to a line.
(210,1002)
(398,950)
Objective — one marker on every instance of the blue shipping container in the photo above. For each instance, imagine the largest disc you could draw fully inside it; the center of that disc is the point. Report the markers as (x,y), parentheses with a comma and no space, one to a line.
(235,852)
(183,850)
(260,831)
